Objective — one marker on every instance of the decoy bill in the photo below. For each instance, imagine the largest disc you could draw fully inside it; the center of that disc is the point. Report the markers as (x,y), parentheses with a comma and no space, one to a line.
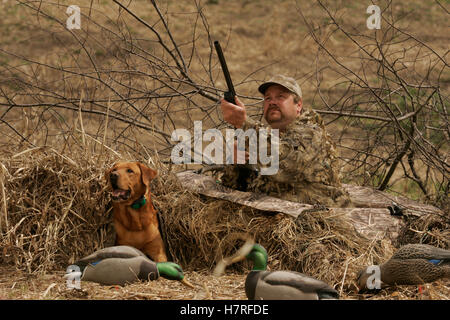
(120,265)
(281,285)
(412,264)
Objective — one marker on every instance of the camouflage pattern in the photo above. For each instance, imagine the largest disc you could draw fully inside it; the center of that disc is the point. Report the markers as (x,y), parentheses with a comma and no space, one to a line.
(308,166)
(370,217)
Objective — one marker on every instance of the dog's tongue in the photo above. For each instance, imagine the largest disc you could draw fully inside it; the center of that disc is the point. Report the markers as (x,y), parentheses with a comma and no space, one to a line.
(119,192)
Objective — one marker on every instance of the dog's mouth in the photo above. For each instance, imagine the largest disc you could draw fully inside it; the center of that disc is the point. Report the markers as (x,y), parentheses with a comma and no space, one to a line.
(120,194)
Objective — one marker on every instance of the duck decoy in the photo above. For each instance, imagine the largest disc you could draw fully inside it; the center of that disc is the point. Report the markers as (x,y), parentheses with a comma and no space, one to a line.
(281,285)
(120,265)
(412,264)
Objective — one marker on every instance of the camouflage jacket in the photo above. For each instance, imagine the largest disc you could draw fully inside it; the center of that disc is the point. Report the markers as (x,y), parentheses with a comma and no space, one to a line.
(308,166)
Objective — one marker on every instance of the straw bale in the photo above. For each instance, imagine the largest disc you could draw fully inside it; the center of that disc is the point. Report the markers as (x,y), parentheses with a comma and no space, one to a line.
(57,209)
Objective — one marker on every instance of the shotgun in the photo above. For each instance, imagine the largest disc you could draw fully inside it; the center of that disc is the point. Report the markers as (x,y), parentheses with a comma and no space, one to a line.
(246,171)
(230,94)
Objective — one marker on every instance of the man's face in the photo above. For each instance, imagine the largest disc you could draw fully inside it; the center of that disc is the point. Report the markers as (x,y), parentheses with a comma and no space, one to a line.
(279,107)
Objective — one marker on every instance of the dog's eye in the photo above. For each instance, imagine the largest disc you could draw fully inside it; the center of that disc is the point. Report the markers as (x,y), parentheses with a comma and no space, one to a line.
(130,171)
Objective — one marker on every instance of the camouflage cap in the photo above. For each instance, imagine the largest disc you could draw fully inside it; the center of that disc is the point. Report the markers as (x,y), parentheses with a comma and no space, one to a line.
(287,82)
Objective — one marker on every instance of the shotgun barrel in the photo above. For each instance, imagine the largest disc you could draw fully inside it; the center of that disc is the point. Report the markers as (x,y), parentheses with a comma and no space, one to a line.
(230,94)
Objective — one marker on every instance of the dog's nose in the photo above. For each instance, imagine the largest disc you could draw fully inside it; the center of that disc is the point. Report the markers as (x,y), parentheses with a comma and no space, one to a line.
(113,177)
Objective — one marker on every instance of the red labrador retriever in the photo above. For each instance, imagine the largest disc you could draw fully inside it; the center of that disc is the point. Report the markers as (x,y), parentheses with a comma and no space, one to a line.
(135,218)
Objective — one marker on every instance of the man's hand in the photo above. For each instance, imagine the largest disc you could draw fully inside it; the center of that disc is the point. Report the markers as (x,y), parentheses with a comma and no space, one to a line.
(234,114)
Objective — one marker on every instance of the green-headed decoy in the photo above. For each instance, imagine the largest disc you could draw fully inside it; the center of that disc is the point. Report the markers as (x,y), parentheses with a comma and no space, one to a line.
(120,265)
(412,264)
(281,285)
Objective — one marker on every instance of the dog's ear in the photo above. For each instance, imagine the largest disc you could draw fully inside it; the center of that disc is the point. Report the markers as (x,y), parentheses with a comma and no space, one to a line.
(147,174)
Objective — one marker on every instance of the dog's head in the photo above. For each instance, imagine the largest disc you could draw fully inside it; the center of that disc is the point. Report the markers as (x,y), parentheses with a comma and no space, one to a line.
(128,181)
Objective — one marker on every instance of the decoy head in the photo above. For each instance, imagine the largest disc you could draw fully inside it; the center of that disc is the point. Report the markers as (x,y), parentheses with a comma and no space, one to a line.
(172,271)
(258,255)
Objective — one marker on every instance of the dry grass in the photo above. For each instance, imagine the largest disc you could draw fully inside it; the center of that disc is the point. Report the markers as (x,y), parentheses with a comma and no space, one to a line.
(58,210)
(18,285)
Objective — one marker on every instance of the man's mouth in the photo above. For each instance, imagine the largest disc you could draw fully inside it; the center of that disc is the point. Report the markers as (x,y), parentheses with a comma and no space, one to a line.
(273,107)
(273,110)
(119,194)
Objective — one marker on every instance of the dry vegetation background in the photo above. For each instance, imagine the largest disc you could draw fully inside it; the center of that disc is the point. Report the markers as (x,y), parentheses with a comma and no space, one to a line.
(74,101)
